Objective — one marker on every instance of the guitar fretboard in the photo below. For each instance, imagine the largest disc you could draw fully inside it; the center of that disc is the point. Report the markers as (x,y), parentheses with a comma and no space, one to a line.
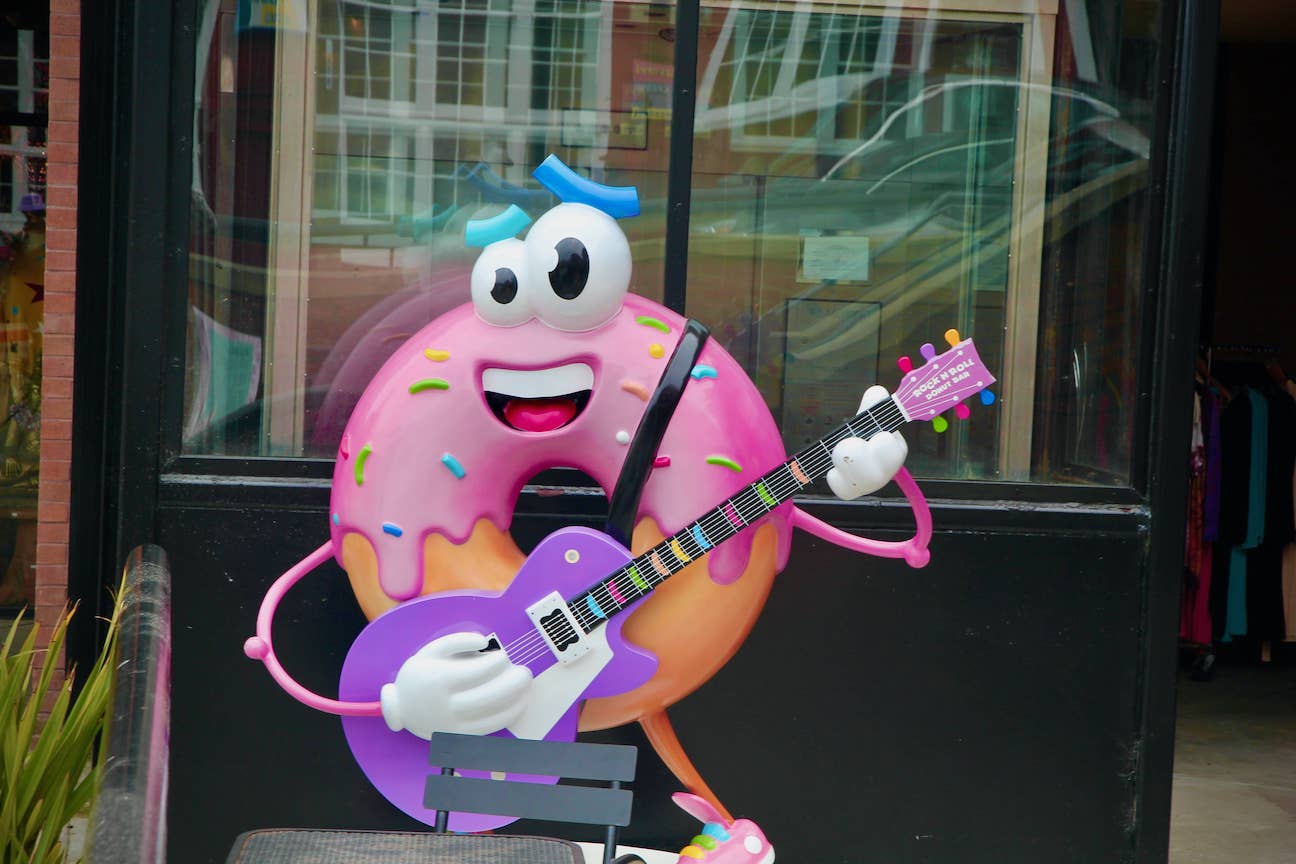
(641,576)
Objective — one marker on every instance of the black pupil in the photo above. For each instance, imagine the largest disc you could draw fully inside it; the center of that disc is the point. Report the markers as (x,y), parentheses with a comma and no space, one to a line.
(568,278)
(505,286)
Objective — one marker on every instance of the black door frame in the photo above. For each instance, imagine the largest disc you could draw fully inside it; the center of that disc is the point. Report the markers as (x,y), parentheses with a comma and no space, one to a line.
(136,95)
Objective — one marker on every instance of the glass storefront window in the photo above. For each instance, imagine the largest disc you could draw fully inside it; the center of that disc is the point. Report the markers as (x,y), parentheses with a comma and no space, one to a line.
(24,103)
(865,177)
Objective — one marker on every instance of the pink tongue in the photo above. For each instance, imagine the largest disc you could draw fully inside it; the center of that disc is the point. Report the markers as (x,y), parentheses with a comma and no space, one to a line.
(539,415)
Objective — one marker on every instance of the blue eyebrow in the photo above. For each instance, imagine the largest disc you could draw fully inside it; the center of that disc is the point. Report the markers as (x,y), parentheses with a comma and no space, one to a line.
(571,188)
(483,232)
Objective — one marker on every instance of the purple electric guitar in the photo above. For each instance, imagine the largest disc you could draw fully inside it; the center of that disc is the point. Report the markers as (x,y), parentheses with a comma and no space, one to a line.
(561,617)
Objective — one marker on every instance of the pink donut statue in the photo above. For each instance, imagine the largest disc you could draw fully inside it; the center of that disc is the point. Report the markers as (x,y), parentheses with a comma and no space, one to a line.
(552,364)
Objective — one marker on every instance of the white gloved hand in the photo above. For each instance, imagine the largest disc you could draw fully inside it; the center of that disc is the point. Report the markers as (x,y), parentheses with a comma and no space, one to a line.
(861,467)
(451,685)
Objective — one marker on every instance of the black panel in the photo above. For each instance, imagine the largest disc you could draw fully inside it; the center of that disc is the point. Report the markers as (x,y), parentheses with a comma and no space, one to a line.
(980,710)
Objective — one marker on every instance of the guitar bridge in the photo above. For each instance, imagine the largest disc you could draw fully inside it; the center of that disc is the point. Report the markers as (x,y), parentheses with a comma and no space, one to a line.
(559,627)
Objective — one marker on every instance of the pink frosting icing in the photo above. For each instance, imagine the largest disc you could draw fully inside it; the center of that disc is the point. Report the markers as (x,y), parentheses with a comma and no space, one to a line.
(408,491)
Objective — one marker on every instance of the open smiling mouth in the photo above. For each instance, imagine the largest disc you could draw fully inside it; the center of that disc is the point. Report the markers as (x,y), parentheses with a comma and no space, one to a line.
(538,400)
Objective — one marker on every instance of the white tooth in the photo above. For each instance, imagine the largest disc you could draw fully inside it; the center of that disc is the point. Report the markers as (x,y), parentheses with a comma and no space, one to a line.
(539,383)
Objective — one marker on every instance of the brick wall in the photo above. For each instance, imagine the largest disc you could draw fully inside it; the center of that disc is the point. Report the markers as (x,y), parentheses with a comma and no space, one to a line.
(60,294)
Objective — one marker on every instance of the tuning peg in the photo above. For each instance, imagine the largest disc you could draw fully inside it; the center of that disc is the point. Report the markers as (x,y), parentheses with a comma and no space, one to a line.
(952,337)
(905,364)
(928,351)
(940,424)
(987,397)
(962,411)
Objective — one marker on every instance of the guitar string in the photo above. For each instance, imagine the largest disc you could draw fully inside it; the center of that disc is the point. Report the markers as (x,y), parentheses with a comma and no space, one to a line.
(779,487)
(813,463)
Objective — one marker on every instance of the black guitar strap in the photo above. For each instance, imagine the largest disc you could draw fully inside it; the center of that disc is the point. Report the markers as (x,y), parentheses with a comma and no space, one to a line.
(652,428)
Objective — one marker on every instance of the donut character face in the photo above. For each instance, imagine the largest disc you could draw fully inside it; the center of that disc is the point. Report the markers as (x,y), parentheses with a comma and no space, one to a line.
(552,364)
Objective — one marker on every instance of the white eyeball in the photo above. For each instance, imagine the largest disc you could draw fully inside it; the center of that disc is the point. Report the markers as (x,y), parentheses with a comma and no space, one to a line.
(499,284)
(579,264)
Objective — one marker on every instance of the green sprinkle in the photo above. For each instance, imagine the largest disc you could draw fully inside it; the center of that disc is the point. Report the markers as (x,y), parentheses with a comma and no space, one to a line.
(649,321)
(725,461)
(429,384)
(361,458)
(637,579)
(707,843)
(765,495)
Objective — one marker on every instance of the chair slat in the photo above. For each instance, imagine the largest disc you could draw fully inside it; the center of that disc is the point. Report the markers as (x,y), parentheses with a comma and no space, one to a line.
(584,804)
(577,761)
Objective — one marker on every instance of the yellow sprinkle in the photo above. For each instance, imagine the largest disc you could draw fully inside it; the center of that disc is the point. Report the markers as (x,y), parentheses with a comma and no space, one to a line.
(656,350)
(435,355)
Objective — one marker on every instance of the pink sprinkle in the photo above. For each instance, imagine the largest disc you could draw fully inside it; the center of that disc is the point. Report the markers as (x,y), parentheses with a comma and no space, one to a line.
(661,462)
(733,516)
(345,448)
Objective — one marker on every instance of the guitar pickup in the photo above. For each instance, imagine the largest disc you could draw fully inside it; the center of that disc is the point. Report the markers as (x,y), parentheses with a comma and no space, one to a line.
(566,639)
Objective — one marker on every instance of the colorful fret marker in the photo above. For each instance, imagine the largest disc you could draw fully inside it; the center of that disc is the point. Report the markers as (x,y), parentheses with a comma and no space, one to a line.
(724,461)
(616,595)
(638,580)
(658,565)
(765,495)
(679,552)
(701,538)
(361,458)
(594,607)
(733,516)
(795,468)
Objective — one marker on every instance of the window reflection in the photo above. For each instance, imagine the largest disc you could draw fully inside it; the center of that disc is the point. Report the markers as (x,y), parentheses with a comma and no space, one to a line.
(865,177)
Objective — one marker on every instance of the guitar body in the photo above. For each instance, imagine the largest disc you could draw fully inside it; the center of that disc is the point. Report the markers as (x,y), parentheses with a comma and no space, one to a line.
(566,562)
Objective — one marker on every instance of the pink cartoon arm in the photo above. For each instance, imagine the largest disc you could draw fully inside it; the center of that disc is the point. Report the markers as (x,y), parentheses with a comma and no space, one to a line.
(260,647)
(914,550)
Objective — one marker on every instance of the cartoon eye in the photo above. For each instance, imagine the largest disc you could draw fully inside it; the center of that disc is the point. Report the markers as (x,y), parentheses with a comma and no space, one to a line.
(585,261)
(499,284)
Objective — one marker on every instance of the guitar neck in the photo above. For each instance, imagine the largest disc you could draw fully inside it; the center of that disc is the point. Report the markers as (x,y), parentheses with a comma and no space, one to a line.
(641,576)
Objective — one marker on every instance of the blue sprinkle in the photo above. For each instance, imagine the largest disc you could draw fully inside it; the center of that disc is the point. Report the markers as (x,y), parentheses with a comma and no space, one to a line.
(392,528)
(453,464)
(594,607)
(716,830)
(13,311)
(336,519)
(701,371)
(987,398)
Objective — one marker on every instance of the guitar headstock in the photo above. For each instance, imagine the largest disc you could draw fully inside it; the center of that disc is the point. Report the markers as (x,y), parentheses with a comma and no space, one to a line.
(943,382)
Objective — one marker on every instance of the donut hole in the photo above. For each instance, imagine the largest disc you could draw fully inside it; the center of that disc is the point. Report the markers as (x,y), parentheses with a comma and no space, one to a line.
(559,497)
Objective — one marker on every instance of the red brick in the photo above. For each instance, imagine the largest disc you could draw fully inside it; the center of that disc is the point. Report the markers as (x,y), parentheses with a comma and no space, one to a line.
(58,323)
(50,596)
(59,282)
(52,553)
(55,430)
(56,409)
(50,532)
(54,470)
(61,450)
(59,367)
(64,196)
(63,132)
(60,238)
(69,7)
(52,389)
(59,302)
(64,109)
(55,491)
(62,152)
(55,511)
(64,46)
(60,217)
(64,24)
(66,67)
(59,344)
(60,259)
(64,90)
(62,173)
